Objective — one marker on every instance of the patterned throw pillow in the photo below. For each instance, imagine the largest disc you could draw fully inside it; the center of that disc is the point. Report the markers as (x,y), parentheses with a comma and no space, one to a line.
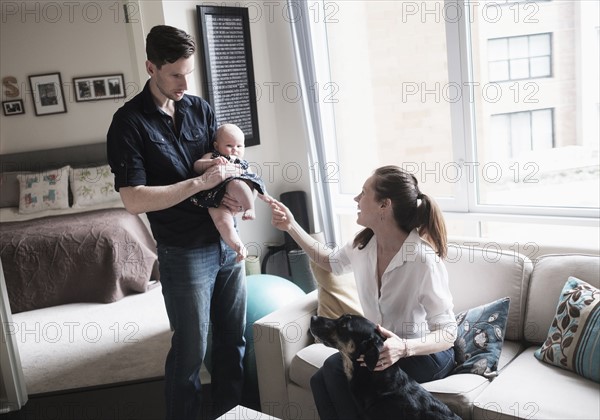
(480,337)
(92,186)
(572,341)
(47,190)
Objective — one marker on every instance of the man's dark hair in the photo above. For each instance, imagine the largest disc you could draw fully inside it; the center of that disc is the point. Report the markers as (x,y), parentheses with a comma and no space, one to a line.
(166,44)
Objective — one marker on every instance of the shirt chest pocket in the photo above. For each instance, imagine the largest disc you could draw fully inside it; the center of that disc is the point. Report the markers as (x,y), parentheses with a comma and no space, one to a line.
(196,141)
(161,145)
(167,156)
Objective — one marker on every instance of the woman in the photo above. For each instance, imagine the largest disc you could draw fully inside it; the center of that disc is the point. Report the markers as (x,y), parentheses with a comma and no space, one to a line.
(401,279)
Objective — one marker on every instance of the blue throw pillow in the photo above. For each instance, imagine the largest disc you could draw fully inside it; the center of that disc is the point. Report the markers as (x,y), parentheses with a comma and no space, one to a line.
(480,337)
(572,341)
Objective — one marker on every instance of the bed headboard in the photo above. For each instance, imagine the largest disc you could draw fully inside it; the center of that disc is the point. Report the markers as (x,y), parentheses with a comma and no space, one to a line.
(86,155)
(39,160)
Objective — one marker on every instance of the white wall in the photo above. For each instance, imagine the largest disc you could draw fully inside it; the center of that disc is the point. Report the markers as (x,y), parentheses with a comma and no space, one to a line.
(83,38)
(80,44)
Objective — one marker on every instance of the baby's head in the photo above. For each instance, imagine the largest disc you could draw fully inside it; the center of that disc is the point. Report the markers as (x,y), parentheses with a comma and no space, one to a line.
(229,140)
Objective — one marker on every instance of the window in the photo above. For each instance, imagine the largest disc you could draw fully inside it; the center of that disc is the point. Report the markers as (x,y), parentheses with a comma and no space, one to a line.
(520,57)
(521,132)
(492,108)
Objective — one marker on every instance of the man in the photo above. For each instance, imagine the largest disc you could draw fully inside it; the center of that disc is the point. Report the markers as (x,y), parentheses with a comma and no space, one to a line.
(153,142)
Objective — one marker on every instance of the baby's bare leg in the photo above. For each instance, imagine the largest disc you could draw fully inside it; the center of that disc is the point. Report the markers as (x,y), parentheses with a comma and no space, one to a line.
(244,193)
(224,221)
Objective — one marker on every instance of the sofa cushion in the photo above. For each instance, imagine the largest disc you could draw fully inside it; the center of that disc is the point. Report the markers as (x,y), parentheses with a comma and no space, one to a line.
(306,363)
(572,341)
(480,336)
(528,388)
(481,275)
(547,280)
(458,391)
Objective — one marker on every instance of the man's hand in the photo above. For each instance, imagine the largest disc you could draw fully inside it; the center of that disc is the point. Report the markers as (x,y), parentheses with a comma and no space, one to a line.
(231,203)
(203,164)
(216,174)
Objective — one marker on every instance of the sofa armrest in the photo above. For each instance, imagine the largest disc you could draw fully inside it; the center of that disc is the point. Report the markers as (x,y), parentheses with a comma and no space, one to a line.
(277,338)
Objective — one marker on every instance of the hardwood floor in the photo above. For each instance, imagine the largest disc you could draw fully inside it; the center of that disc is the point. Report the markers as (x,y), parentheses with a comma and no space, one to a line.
(136,401)
(132,401)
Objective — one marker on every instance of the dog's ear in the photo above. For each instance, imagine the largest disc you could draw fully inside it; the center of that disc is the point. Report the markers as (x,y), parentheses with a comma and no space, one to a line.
(370,350)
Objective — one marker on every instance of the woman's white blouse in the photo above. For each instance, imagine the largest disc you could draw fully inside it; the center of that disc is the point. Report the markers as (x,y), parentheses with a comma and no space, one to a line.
(415,297)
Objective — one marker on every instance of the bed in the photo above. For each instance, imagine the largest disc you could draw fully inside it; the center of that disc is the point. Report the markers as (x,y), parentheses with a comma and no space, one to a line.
(94,256)
(82,301)
(64,234)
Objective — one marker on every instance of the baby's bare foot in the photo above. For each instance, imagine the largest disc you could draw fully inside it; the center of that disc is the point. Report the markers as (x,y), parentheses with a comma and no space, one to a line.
(249,215)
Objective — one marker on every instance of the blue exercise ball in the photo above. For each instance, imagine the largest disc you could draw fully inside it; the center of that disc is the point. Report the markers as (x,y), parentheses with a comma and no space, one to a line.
(266,293)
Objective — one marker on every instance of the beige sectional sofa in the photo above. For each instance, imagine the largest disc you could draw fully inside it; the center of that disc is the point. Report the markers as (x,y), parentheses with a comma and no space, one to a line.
(287,355)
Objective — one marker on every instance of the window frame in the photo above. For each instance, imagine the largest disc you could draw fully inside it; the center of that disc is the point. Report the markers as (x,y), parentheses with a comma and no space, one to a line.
(529,58)
(463,205)
(530,113)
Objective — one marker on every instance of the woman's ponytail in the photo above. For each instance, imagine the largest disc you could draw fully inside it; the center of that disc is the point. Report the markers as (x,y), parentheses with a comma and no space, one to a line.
(431,225)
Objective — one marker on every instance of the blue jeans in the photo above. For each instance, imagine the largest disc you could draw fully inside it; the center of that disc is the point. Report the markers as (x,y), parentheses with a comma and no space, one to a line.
(201,286)
(331,390)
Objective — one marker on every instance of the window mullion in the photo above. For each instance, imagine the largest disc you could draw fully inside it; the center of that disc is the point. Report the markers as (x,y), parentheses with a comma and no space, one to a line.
(459,74)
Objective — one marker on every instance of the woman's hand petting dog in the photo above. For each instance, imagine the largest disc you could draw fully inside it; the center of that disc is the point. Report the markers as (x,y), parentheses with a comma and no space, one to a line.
(394,349)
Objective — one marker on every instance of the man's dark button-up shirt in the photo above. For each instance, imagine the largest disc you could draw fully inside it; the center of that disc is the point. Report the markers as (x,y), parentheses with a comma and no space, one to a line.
(145,149)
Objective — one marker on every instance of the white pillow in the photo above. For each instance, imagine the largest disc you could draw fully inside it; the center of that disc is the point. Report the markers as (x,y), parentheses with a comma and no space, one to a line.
(48,190)
(92,186)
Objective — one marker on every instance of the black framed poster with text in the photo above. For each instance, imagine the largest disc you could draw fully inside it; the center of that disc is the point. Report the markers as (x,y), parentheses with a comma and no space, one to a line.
(228,67)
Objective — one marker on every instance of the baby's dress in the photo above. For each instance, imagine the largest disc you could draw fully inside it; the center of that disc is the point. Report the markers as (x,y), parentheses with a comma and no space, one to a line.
(213,197)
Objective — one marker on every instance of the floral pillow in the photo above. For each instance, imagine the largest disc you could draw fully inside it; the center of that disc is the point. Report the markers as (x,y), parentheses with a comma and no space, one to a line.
(480,337)
(92,186)
(572,342)
(47,190)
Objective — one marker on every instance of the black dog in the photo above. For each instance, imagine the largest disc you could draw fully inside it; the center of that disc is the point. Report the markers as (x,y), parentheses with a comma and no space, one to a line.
(386,394)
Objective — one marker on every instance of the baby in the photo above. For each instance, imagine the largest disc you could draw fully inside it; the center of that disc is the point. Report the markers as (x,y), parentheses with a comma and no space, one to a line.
(229,147)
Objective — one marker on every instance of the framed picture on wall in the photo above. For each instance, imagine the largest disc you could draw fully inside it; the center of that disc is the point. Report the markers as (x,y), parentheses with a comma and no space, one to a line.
(226,55)
(95,88)
(14,107)
(47,92)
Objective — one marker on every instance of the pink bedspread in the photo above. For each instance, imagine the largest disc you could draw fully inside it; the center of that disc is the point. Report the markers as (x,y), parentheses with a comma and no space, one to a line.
(97,256)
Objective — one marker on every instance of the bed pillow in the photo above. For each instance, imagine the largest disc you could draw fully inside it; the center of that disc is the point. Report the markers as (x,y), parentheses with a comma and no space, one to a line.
(9,189)
(572,342)
(91,186)
(48,190)
(480,337)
